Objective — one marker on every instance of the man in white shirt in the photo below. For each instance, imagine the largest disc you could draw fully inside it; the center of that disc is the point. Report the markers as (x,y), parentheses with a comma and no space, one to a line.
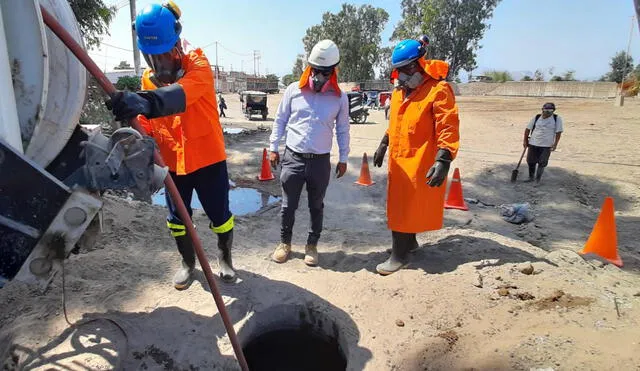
(542,136)
(309,112)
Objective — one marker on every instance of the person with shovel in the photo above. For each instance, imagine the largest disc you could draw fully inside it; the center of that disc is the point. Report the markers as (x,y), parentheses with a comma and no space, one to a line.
(309,112)
(177,106)
(423,139)
(541,137)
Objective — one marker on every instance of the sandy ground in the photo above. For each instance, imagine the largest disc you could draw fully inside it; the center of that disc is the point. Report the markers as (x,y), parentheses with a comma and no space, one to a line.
(464,302)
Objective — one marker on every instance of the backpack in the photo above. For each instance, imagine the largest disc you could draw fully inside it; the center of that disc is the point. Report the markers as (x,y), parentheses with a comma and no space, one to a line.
(555,119)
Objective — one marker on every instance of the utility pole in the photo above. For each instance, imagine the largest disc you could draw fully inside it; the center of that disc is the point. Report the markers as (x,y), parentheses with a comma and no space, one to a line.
(620,101)
(136,54)
(216,72)
(255,56)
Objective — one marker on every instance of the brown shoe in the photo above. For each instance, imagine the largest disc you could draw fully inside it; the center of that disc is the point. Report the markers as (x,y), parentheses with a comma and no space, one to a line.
(281,254)
(311,255)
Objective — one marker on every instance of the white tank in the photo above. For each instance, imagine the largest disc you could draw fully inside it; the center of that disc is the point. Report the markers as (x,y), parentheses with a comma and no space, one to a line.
(49,83)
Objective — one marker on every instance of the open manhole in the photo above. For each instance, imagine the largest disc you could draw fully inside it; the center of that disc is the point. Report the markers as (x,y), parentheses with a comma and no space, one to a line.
(288,338)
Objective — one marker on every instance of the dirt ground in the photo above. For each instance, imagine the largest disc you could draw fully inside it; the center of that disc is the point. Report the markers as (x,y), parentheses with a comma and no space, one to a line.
(463,304)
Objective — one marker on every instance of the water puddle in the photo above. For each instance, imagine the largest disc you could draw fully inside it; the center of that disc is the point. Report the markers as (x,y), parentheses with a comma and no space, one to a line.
(242,201)
(233,130)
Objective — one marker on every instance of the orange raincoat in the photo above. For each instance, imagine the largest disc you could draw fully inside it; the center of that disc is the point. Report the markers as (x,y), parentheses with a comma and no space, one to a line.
(419,125)
(193,139)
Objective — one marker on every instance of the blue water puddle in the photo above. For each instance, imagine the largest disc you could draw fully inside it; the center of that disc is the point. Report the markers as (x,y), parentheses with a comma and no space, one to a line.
(242,201)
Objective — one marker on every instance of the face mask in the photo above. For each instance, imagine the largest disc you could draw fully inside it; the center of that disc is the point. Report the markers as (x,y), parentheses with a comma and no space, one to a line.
(317,81)
(410,81)
(165,66)
(547,112)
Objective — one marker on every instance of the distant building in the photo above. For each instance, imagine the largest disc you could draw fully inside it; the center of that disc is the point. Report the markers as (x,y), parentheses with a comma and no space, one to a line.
(114,75)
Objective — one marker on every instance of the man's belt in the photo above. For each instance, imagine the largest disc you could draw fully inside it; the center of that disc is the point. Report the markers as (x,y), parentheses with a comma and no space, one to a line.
(308,155)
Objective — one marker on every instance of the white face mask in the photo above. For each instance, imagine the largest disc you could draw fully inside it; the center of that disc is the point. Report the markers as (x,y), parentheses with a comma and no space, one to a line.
(410,81)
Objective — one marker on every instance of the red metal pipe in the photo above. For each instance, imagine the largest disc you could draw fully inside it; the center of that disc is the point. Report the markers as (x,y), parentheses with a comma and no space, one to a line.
(170,186)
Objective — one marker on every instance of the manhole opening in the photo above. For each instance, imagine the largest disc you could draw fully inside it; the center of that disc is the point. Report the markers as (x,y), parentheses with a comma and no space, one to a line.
(292,337)
(294,349)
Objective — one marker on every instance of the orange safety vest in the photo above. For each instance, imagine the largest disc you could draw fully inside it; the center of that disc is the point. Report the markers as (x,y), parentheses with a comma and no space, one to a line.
(419,125)
(193,139)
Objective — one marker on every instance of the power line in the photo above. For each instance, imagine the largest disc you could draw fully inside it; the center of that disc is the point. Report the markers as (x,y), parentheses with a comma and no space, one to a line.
(117,47)
(227,49)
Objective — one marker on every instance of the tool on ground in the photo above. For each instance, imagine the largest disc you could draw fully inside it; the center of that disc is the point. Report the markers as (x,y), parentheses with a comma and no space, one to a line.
(514,173)
(265,172)
(170,186)
(455,199)
(603,240)
(365,177)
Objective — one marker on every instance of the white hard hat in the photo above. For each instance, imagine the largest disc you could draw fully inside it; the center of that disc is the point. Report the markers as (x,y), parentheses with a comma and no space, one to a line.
(324,54)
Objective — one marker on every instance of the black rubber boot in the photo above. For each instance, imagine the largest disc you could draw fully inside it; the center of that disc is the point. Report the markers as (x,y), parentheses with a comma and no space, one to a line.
(401,244)
(184,276)
(532,173)
(539,174)
(225,241)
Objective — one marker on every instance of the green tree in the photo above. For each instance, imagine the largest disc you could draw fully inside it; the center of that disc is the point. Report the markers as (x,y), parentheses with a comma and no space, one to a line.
(384,63)
(288,79)
(556,78)
(526,78)
(94,18)
(123,65)
(621,64)
(131,83)
(298,67)
(538,76)
(454,28)
(356,31)
(499,76)
(272,76)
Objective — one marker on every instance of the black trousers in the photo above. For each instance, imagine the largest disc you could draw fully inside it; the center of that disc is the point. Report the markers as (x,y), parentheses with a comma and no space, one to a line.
(211,183)
(296,172)
(537,156)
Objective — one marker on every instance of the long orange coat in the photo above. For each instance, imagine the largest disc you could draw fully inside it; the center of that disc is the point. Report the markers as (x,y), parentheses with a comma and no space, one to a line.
(419,125)
(192,139)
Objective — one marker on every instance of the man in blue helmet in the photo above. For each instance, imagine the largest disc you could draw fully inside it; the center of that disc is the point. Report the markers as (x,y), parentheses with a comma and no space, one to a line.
(422,140)
(178,108)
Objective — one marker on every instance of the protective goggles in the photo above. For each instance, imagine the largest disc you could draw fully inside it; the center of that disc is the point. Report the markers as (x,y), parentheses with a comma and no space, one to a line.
(410,68)
(326,72)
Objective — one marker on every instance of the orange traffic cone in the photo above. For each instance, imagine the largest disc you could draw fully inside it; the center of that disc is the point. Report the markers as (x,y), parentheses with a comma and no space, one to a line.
(603,240)
(365,177)
(266,173)
(455,199)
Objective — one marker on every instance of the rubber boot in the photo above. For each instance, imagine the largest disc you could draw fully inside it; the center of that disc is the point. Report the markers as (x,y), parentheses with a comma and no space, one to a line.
(225,241)
(400,247)
(539,174)
(184,276)
(532,173)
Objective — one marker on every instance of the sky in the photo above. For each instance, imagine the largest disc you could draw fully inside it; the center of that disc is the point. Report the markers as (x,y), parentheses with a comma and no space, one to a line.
(525,35)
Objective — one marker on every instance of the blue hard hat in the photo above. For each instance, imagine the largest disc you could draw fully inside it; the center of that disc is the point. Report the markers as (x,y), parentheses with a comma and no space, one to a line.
(158,29)
(406,52)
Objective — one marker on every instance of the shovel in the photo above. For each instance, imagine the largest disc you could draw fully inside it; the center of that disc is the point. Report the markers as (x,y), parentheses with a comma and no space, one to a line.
(514,173)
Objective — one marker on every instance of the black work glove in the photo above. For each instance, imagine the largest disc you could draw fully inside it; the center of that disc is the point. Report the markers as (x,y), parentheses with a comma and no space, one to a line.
(438,172)
(165,101)
(378,156)
(126,105)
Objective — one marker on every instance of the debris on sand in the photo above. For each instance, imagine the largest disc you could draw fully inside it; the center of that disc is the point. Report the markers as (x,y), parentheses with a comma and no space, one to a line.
(450,336)
(560,299)
(399,323)
(526,269)
(524,296)
(503,291)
